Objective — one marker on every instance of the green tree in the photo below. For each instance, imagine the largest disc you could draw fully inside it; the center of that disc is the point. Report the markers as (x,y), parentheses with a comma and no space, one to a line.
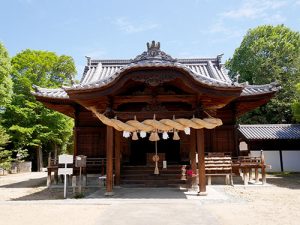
(269,53)
(30,124)
(296,104)
(5,155)
(5,97)
(5,81)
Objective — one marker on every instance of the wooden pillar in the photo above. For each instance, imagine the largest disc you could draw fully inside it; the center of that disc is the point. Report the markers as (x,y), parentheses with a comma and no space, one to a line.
(109,161)
(201,162)
(263,167)
(117,157)
(193,145)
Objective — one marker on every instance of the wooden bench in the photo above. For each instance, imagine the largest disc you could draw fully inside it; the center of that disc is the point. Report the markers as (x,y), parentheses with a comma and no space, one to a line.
(247,163)
(218,165)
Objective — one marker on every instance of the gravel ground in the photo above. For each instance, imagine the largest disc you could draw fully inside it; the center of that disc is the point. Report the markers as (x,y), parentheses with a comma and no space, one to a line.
(277,203)
(24,199)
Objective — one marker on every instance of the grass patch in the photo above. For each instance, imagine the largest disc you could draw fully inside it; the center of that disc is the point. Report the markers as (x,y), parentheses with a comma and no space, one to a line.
(78,195)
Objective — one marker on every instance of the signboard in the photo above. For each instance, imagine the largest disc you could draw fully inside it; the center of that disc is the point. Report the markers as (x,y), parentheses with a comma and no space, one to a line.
(65,159)
(80,161)
(63,171)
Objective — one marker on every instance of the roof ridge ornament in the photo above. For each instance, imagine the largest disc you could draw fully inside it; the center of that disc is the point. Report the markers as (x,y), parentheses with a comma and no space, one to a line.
(153,53)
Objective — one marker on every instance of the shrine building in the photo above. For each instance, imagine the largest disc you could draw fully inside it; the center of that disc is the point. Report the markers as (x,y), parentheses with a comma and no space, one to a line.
(129,110)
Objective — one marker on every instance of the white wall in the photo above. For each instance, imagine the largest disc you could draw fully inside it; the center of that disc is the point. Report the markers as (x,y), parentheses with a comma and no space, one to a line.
(290,159)
(271,158)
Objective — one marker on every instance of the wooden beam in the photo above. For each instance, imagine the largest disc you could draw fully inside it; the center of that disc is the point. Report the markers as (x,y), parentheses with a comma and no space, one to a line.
(193,146)
(109,161)
(201,162)
(117,157)
(148,98)
(148,115)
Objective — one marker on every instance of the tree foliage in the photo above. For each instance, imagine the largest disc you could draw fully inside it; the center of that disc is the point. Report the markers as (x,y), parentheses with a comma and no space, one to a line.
(5,81)
(266,54)
(296,104)
(29,123)
(5,155)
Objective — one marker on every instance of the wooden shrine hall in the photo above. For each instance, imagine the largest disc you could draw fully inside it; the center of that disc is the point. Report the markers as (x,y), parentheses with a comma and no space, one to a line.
(128,111)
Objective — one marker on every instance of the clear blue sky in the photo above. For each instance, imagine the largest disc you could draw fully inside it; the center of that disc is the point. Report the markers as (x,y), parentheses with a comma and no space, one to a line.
(120,29)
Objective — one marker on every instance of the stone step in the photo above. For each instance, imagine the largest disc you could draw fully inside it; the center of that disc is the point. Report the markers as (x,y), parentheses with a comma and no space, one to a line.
(142,175)
(151,176)
(149,172)
(154,183)
(148,168)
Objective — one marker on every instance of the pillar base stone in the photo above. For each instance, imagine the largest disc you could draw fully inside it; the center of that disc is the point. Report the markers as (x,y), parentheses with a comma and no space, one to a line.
(202,193)
(108,194)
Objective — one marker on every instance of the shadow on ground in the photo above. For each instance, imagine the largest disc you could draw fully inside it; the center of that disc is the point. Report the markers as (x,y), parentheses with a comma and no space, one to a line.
(142,193)
(285,180)
(31,183)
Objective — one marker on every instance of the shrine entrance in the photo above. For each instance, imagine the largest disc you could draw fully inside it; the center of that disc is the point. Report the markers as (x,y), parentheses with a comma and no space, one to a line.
(142,151)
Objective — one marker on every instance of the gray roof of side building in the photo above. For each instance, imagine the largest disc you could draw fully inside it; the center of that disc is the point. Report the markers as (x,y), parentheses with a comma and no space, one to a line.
(270,131)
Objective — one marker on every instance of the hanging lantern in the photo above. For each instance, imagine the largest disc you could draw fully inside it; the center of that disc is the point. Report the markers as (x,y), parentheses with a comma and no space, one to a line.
(134,136)
(187,130)
(143,134)
(176,136)
(165,135)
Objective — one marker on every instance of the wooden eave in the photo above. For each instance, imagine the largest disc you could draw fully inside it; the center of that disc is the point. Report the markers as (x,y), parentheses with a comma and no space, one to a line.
(247,103)
(216,96)
(64,106)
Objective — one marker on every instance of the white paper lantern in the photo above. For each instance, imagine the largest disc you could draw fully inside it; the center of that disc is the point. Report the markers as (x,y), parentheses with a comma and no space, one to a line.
(143,134)
(126,134)
(187,130)
(165,135)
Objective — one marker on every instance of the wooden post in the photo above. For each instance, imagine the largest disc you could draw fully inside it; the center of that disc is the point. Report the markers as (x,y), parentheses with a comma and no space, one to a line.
(201,162)
(263,168)
(109,161)
(117,157)
(250,174)
(246,176)
(256,175)
(193,145)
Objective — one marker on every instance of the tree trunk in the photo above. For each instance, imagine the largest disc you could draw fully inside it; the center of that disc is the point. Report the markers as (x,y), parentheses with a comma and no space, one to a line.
(55,153)
(39,159)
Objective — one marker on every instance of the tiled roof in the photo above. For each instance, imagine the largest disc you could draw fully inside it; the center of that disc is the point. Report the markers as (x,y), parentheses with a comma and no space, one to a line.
(99,70)
(208,71)
(50,93)
(100,75)
(270,131)
(260,89)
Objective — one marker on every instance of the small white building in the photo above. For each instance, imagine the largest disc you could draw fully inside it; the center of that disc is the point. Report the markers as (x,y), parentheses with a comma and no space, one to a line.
(280,142)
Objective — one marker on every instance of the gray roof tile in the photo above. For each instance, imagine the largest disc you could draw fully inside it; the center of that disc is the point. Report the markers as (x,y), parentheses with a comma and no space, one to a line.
(209,71)
(270,131)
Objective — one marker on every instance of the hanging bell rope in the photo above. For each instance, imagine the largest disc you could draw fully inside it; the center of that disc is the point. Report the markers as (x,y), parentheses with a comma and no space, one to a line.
(163,125)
